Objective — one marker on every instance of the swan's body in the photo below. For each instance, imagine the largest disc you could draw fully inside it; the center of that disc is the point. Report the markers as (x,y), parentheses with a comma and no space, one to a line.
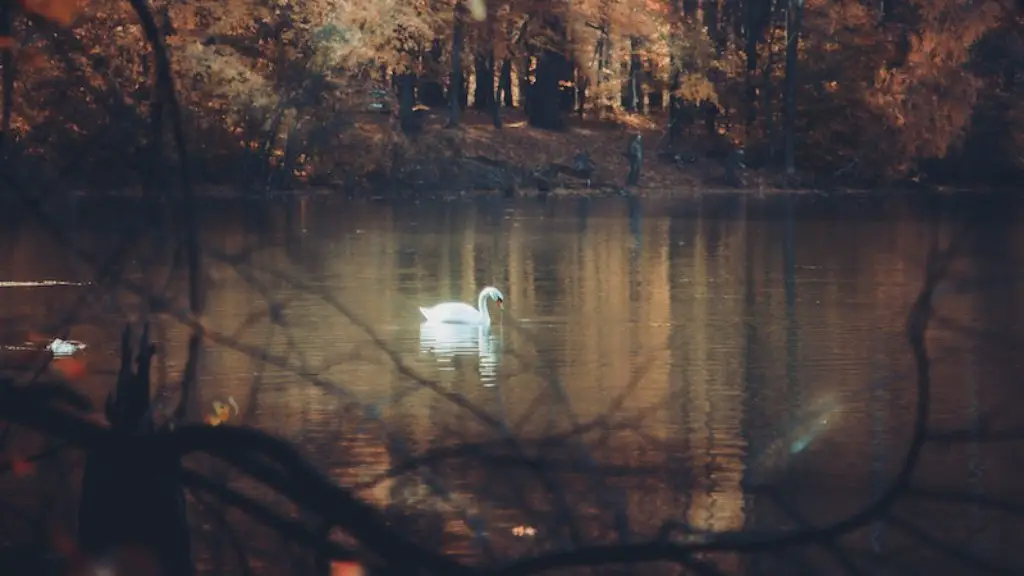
(461,313)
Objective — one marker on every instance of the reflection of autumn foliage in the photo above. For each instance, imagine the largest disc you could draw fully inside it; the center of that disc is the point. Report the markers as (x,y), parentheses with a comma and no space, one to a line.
(285,86)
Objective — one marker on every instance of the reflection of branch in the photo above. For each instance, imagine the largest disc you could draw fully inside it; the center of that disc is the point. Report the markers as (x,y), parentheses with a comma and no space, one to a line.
(831,546)
(938,545)
(917,325)
(982,436)
(165,89)
(292,476)
(290,529)
(954,497)
(217,514)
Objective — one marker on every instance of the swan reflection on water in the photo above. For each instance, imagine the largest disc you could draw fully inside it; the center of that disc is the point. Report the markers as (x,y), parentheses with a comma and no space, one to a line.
(448,341)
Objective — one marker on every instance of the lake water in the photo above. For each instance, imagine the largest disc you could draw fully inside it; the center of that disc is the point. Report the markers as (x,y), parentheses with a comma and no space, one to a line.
(676,357)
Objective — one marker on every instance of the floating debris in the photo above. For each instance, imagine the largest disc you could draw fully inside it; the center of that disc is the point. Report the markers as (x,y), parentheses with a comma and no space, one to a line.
(524,531)
(222,411)
(63,348)
(40,283)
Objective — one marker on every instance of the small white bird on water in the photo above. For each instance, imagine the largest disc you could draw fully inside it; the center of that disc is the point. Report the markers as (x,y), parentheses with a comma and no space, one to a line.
(461,313)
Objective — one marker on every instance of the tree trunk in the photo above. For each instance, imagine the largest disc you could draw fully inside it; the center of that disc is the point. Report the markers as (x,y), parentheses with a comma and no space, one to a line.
(633,101)
(505,82)
(543,110)
(794,16)
(494,91)
(483,68)
(567,92)
(711,22)
(675,107)
(581,91)
(525,85)
(455,88)
(131,497)
(406,100)
(753,35)
(431,92)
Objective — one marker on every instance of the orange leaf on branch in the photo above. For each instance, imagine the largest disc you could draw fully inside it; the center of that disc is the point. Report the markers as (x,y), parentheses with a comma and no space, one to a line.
(61,12)
(6,43)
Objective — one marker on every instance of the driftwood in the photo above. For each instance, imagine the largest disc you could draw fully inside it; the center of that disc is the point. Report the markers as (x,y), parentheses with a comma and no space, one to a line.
(130,497)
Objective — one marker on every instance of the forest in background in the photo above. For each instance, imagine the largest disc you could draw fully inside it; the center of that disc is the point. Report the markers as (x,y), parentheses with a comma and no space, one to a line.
(284,93)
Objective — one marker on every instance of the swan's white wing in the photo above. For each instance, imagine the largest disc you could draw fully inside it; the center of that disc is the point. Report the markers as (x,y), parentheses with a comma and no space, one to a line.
(452,313)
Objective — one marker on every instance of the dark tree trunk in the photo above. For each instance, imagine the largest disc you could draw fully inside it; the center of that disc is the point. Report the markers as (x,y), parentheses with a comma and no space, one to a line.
(505,82)
(496,91)
(794,17)
(406,101)
(582,80)
(483,68)
(753,31)
(456,88)
(525,83)
(131,496)
(769,115)
(567,92)
(655,100)
(431,92)
(711,22)
(675,107)
(601,51)
(464,93)
(543,108)
(633,101)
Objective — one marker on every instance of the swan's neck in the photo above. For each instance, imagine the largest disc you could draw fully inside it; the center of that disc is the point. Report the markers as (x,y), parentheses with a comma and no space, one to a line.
(481,306)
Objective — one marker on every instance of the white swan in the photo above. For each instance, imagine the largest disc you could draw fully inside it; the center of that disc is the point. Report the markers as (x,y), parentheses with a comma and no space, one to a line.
(460,313)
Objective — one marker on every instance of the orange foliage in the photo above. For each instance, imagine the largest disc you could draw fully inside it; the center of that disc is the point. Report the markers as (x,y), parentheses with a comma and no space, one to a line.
(258,78)
(344,568)
(62,12)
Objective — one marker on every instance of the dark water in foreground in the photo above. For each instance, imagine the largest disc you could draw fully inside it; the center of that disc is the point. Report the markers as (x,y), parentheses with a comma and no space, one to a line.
(705,347)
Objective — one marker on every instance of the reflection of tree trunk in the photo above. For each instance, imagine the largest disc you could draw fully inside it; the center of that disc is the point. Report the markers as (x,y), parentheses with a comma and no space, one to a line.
(792,334)
(794,16)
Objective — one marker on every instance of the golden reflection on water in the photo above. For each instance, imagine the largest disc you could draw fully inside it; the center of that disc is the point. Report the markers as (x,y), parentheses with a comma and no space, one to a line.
(711,353)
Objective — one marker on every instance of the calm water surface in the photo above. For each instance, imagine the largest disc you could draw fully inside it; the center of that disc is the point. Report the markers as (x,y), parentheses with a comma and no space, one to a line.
(683,353)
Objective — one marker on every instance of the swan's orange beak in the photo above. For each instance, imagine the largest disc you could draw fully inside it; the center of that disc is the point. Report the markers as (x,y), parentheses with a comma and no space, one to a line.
(501,303)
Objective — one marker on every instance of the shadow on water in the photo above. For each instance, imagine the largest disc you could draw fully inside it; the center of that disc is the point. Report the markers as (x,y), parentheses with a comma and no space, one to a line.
(722,364)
